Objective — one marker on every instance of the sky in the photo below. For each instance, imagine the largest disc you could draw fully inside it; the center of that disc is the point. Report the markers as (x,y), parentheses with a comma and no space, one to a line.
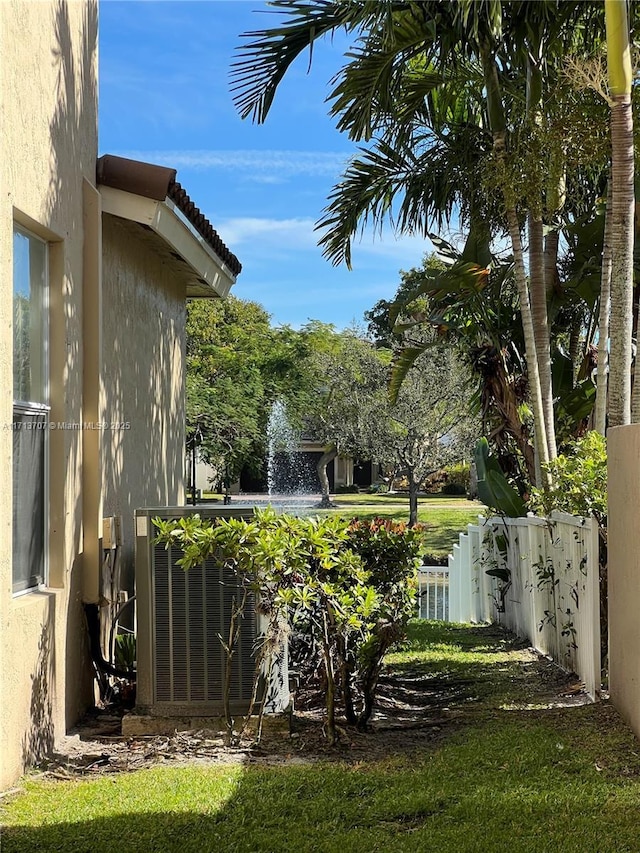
(165,98)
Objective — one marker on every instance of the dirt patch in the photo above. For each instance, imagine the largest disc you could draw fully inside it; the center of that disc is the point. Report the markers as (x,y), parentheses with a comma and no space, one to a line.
(417,707)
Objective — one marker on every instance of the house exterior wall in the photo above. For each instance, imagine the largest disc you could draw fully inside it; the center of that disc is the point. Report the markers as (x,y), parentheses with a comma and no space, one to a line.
(143,343)
(48,146)
(623,561)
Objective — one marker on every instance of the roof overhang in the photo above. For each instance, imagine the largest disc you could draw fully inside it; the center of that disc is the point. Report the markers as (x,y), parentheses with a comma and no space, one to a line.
(209,275)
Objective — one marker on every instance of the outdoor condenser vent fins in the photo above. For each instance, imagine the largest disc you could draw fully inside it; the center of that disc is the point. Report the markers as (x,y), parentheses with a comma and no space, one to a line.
(180,615)
(192,609)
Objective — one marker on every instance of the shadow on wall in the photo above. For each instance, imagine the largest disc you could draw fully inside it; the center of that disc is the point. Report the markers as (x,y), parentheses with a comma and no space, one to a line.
(144,320)
(73,134)
(38,741)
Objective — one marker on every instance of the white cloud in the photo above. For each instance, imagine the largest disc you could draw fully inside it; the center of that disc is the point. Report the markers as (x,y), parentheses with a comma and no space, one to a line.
(284,163)
(293,234)
(298,234)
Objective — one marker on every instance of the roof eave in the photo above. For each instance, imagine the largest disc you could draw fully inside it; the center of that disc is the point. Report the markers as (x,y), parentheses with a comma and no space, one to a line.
(161,217)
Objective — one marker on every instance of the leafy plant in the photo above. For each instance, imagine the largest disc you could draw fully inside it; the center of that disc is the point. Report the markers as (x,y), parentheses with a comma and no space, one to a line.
(125,651)
(493,487)
(390,554)
(458,475)
(579,477)
(351,585)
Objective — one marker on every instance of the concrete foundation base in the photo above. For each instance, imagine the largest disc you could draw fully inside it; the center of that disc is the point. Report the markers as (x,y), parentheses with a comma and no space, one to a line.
(139,725)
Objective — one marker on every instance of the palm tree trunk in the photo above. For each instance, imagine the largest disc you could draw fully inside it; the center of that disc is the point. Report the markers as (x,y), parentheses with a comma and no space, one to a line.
(551,247)
(537,283)
(541,325)
(622,210)
(495,110)
(622,204)
(600,416)
(535,387)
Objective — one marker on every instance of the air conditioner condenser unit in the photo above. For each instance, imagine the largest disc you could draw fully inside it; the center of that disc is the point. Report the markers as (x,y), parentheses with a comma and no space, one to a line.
(180,618)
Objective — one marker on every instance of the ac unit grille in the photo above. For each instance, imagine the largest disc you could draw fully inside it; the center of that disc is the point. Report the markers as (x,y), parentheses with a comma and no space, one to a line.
(192,608)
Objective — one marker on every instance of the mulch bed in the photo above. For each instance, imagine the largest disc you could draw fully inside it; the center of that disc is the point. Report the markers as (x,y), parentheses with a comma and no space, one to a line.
(415,711)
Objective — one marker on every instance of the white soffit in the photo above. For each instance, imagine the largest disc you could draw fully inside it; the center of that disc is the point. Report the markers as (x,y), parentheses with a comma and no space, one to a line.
(163,219)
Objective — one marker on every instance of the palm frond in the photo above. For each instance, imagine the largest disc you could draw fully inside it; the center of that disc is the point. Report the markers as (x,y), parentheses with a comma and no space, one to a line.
(427,187)
(265,58)
(401,365)
(367,90)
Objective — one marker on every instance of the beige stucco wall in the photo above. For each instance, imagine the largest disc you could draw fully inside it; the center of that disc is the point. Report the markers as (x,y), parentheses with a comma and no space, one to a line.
(623,523)
(143,378)
(48,145)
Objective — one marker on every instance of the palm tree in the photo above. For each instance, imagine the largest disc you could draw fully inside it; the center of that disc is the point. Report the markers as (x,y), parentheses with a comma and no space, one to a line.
(407,61)
(622,210)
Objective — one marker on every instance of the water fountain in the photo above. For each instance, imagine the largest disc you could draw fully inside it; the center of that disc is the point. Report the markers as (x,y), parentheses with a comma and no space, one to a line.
(290,472)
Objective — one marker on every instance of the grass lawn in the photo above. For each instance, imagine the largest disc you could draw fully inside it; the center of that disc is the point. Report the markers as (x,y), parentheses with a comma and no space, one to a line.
(504,774)
(443,516)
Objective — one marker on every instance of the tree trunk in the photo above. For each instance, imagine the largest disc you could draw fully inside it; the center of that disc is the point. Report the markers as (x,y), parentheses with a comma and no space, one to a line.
(622,267)
(600,417)
(541,324)
(535,387)
(331,683)
(321,467)
(413,499)
(537,283)
(495,110)
(193,475)
(345,681)
(622,210)
(551,247)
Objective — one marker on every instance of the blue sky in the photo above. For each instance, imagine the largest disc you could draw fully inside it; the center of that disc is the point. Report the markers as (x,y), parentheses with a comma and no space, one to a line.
(164,98)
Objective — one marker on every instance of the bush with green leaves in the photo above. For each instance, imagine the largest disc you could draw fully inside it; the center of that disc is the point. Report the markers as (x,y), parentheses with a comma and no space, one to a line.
(458,475)
(351,584)
(389,552)
(579,478)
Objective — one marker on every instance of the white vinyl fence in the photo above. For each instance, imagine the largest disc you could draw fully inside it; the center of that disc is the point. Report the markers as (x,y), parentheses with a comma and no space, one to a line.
(433,593)
(543,584)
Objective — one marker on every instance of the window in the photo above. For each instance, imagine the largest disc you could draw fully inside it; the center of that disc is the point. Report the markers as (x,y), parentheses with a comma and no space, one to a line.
(30,409)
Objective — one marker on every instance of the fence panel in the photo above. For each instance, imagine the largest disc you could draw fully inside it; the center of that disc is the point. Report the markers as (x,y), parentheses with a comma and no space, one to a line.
(543,586)
(550,596)
(433,593)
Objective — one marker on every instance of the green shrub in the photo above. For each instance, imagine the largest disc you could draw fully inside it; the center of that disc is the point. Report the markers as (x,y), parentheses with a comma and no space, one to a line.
(377,488)
(351,584)
(458,475)
(389,552)
(579,480)
(453,489)
(347,490)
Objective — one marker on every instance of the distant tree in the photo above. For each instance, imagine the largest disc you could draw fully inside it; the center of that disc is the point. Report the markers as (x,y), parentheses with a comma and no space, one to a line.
(430,425)
(350,376)
(237,366)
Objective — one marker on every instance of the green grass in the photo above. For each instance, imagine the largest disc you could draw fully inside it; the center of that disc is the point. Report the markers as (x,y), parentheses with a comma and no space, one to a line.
(565,779)
(474,667)
(512,785)
(443,516)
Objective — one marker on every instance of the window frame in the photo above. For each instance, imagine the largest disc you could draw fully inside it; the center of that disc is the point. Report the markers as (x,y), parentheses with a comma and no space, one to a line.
(34,408)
